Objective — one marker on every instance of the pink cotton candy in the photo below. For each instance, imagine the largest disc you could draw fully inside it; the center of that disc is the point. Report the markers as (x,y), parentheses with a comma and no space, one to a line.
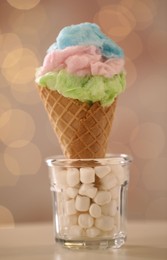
(81,61)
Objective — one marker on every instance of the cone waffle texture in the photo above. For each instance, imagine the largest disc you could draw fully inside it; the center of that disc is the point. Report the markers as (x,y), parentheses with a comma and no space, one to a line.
(82,129)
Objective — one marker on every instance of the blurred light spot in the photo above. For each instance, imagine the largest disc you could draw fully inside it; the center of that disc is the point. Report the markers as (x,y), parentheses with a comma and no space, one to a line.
(7,179)
(116,21)
(152,94)
(25,160)
(154,175)
(31,25)
(23,5)
(17,128)
(131,72)
(5,104)
(132,45)
(6,217)
(143,11)
(8,43)
(156,44)
(157,209)
(25,93)
(147,140)
(105,2)
(125,121)
(25,62)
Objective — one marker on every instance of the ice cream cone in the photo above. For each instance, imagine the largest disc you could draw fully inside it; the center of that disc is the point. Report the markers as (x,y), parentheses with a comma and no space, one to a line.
(82,129)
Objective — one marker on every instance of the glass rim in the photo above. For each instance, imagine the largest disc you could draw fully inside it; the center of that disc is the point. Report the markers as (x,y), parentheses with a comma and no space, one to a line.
(113,159)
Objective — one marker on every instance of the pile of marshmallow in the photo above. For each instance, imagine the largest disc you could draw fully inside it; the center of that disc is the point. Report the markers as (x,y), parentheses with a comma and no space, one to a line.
(88,200)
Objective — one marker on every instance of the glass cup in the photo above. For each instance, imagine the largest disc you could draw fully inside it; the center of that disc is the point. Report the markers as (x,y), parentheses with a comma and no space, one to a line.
(90,200)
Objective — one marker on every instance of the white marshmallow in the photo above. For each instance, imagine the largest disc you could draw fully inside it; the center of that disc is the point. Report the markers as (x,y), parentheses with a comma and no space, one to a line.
(108,182)
(60,179)
(110,233)
(73,177)
(119,172)
(104,223)
(71,192)
(85,221)
(70,207)
(87,175)
(88,190)
(82,203)
(102,171)
(92,232)
(76,231)
(70,220)
(115,192)
(95,210)
(102,197)
(110,209)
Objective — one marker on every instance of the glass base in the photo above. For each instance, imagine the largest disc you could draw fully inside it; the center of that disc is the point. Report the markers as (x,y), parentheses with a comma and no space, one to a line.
(106,243)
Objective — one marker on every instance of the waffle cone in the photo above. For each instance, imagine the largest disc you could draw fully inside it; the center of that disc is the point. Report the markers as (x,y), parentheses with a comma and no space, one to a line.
(82,129)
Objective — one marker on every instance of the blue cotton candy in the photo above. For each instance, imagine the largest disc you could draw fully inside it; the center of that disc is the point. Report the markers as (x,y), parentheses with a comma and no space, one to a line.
(87,34)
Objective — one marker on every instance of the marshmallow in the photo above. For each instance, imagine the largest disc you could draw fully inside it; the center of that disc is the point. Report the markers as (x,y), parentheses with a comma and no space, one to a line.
(70,207)
(120,173)
(102,197)
(60,179)
(115,192)
(109,209)
(71,192)
(85,221)
(87,175)
(95,210)
(88,190)
(70,220)
(76,231)
(104,223)
(108,182)
(92,232)
(102,171)
(82,203)
(72,177)
(110,233)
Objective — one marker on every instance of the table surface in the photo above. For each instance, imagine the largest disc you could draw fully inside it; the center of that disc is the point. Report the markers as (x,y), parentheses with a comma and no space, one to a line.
(146,240)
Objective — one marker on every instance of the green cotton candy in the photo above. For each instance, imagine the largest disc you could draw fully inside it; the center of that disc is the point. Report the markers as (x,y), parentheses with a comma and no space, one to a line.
(86,89)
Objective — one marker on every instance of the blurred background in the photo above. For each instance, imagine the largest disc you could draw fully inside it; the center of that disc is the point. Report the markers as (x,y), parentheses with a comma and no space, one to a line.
(27,29)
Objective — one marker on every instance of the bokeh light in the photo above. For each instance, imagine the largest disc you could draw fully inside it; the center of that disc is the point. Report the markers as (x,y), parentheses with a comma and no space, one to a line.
(125,121)
(154,174)
(9,42)
(25,160)
(30,24)
(156,45)
(143,11)
(132,45)
(17,128)
(23,5)
(131,71)
(152,93)
(115,20)
(26,93)
(5,104)
(147,140)
(7,179)
(6,217)
(25,62)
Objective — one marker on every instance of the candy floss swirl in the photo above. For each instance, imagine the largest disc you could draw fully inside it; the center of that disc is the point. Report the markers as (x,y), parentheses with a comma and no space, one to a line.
(84,64)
